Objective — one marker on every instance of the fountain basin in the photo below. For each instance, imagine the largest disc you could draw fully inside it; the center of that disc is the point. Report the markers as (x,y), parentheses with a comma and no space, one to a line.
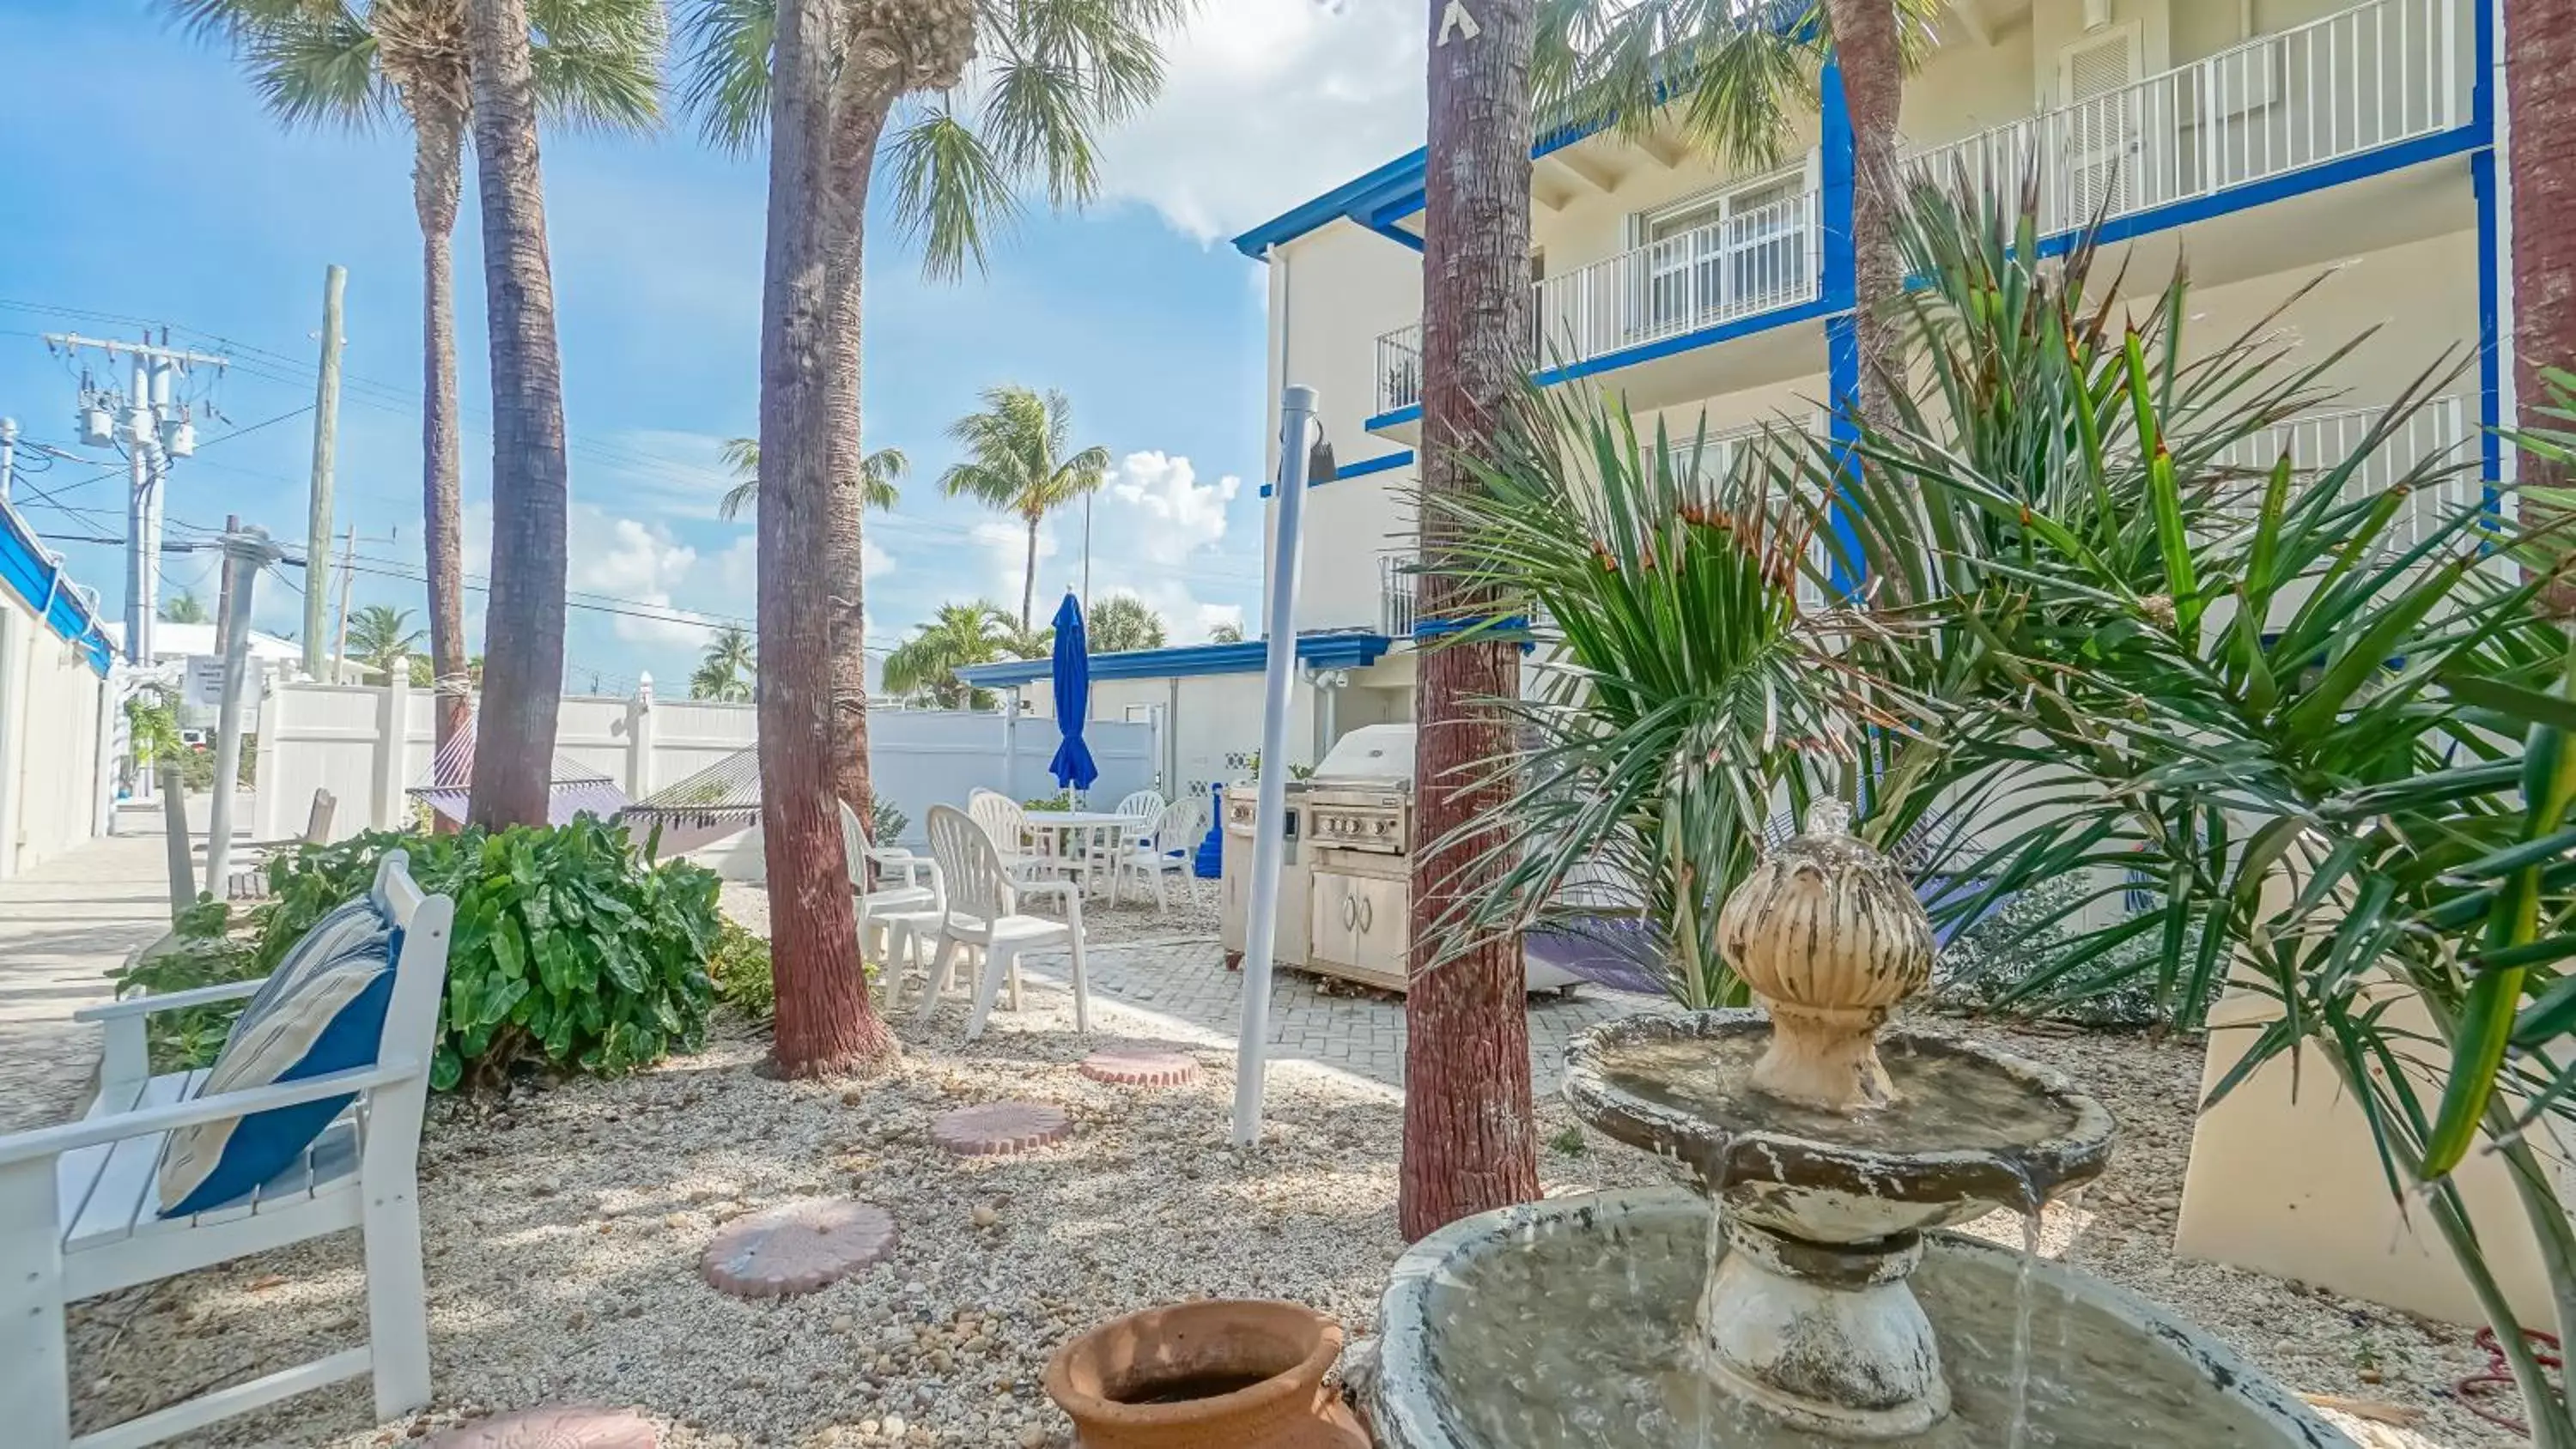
(1974,1128)
(1572,1322)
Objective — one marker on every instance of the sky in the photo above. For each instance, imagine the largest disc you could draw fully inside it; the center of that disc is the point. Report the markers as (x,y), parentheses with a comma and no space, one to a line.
(146,186)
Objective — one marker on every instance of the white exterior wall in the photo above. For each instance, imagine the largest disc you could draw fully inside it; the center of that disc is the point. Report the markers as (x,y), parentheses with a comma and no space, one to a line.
(50,708)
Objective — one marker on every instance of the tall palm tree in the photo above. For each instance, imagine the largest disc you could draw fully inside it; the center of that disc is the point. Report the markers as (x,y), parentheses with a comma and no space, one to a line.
(1733,79)
(1123,622)
(879,473)
(379,634)
(2540,91)
(1470,1137)
(183,608)
(524,621)
(354,63)
(854,80)
(925,666)
(1015,462)
(727,668)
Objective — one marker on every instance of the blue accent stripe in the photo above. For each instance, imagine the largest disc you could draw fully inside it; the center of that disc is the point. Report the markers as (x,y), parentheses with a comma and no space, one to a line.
(1354,650)
(1360,469)
(2492,342)
(47,591)
(1394,233)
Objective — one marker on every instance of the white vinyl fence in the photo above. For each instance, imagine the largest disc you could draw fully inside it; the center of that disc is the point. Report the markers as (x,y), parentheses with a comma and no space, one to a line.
(368,744)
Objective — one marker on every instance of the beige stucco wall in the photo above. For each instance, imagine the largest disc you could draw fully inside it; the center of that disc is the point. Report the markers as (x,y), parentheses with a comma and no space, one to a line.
(49,734)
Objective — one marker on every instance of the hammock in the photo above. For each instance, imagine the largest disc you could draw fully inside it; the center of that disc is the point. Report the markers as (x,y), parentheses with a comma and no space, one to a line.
(719,801)
(572,789)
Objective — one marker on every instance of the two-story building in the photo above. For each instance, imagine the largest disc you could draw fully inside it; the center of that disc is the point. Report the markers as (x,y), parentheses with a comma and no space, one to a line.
(2265,142)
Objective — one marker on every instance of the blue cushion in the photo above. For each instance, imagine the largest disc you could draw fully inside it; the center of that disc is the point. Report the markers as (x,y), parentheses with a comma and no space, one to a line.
(326,1014)
(339,929)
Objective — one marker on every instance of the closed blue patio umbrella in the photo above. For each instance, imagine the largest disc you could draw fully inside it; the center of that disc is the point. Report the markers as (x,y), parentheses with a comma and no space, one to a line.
(1072,764)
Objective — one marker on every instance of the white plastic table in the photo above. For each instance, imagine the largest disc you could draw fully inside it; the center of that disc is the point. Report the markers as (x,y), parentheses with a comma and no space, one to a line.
(1090,829)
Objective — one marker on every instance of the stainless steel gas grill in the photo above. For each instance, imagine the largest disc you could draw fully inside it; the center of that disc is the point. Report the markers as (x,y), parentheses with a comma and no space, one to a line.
(1345,895)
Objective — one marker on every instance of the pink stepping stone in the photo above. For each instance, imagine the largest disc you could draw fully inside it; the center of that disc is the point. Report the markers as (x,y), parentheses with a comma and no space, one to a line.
(1140,1067)
(797,1247)
(554,1428)
(999,1128)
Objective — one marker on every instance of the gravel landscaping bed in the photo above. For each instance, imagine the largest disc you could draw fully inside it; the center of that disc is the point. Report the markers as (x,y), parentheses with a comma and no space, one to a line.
(565,1228)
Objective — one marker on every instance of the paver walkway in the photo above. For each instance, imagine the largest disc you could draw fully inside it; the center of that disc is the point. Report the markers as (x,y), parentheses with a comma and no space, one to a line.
(63,927)
(1186,980)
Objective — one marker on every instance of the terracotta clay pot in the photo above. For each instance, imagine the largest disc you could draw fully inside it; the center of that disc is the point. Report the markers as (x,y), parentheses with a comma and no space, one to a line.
(1220,1374)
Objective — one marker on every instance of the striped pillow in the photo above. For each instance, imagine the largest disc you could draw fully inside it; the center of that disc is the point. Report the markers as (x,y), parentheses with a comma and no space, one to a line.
(323,1011)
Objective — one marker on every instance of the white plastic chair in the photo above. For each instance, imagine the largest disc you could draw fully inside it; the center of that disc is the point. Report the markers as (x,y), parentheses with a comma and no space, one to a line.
(875,906)
(1177,829)
(984,912)
(1144,807)
(1007,826)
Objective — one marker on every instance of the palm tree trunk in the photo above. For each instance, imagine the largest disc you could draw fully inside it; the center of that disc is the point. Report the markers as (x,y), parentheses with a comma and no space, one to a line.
(824,1020)
(524,623)
(1866,51)
(1469,1141)
(2540,92)
(1029,578)
(859,117)
(438,139)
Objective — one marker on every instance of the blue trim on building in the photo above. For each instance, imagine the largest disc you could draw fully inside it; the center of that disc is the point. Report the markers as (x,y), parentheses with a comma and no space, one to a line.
(1835,163)
(47,591)
(2491,341)
(1352,650)
(1394,233)
(1361,469)
(1845,569)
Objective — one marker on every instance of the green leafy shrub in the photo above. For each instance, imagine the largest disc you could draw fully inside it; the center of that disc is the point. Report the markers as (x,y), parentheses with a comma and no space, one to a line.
(740,969)
(199,951)
(571,948)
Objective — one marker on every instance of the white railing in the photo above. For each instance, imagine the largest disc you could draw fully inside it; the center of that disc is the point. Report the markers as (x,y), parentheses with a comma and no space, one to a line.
(1395,611)
(2436,438)
(2354,81)
(1756,261)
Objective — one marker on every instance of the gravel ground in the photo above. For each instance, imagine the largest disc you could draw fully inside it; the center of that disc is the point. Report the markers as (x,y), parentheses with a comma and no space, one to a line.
(564,1229)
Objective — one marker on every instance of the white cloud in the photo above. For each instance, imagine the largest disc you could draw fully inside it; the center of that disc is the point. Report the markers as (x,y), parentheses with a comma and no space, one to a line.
(1269,102)
(641,562)
(1156,508)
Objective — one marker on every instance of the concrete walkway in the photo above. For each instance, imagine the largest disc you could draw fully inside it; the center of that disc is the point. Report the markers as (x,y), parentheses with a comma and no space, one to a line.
(63,927)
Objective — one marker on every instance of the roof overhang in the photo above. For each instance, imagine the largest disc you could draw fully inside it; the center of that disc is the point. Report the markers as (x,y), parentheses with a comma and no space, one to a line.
(37,578)
(1353,649)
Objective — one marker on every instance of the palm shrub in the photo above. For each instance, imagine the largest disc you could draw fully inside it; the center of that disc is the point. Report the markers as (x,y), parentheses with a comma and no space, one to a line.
(1676,692)
(572,949)
(2310,708)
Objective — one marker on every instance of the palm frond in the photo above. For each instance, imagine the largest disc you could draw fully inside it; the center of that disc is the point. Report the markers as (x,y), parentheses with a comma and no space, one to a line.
(723,69)
(598,63)
(950,190)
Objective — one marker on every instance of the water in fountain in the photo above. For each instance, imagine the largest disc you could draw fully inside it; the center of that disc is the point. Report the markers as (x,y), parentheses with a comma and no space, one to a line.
(1589,1326)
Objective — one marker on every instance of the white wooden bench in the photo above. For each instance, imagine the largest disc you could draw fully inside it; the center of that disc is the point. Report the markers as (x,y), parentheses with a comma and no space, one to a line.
(80,1203)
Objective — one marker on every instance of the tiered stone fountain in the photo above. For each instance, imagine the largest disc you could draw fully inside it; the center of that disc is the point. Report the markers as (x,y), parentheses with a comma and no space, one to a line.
(1806,1294)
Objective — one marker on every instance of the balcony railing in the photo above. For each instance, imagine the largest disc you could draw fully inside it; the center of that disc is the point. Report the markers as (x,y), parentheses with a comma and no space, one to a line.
(2436,438)
(1758,260)
(1395,595)
(2354,81)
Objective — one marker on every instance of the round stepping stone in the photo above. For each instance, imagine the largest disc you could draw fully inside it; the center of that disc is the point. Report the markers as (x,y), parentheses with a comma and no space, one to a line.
(999,1128)
(555,1428)
(1140,1067)
(797,1247)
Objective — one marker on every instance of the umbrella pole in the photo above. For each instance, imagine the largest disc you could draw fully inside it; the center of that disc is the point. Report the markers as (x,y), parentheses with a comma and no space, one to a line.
(1270,822)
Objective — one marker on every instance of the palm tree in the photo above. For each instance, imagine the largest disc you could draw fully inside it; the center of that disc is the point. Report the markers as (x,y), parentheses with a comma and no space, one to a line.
(379,634)
(1470,1139)
(825,78)
(1015,463)
(1734,78)
(925,666)
(2540,89)
(1226,634)
(351,63)
(879,473)
(183,608)
(726,671)
(1123,622)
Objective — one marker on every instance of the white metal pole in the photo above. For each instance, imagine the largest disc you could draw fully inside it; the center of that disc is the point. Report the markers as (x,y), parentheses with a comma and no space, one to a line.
(8,454)
(1270,820)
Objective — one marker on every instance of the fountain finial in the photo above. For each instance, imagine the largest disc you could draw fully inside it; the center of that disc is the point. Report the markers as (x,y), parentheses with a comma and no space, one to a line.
(1829,935)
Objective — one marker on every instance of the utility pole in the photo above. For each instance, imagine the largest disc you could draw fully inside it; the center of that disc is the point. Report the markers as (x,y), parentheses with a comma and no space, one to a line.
(155,429)
(326,440)
(245,553)
(224,591)
(348,572)
(8,455)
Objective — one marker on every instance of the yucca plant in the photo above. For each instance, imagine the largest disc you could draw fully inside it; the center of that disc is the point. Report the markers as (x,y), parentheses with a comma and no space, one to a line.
(2301,700)
(1676,695)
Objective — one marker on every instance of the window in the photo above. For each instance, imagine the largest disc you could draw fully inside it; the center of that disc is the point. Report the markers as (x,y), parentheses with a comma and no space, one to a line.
(1723,254)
